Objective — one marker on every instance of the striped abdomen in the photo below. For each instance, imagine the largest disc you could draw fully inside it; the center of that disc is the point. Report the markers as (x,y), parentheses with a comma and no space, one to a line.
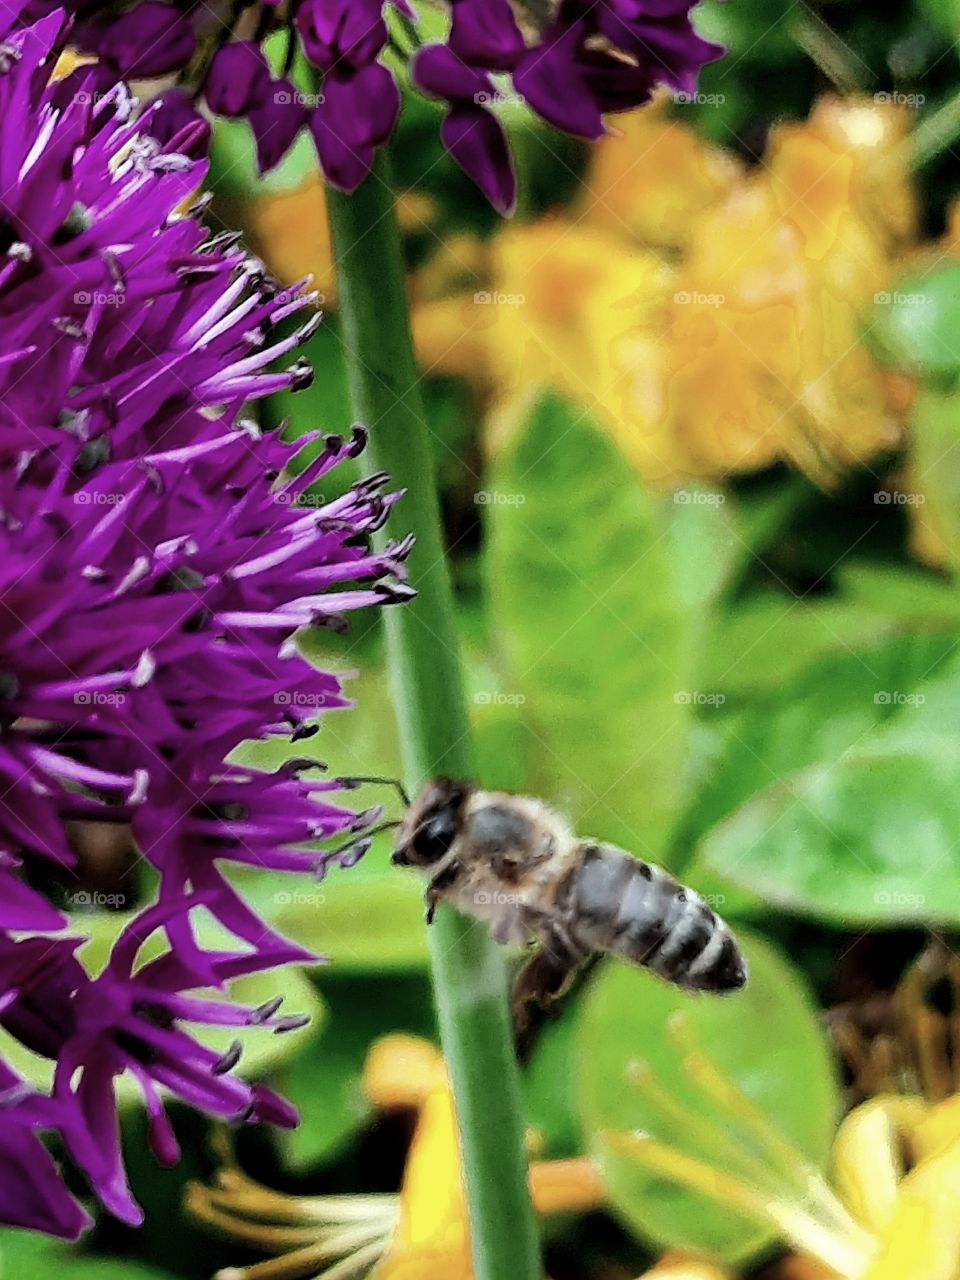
(614,902)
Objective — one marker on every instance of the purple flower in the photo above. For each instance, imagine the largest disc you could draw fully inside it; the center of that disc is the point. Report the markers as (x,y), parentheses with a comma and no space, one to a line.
(570,62)
(156,565)
(133,1020)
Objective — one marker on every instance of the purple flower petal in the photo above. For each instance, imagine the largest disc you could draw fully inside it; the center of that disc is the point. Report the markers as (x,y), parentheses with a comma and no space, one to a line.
(476,140)
(239,79)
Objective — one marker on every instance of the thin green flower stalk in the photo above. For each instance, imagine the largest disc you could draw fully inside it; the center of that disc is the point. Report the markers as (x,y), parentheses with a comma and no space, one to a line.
(422,650)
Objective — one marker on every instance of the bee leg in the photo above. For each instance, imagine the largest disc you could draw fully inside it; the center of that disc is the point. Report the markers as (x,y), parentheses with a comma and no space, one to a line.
(543,978)
(440,883)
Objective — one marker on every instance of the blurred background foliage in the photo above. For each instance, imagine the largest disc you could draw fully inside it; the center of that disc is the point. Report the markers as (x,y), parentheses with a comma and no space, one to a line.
(696,412)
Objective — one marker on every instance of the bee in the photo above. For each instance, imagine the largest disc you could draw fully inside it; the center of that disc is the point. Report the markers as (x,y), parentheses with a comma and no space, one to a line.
(516,864)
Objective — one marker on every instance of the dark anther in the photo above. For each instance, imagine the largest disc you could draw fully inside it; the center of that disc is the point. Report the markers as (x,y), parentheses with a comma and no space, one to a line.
(115,267)
(264,1012)
(78,220)
(394,592)
(366,818)
(310,328)
(370,484)
(358,440)
(335,622)
(292,1022)
(301,375)
(92,455)
(183,578)
(69,328)
(229,1059)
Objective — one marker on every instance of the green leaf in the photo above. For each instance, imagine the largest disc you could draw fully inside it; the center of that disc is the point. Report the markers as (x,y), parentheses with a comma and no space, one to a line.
(773,636)
(943,14)
(324,1080)
(24,1253)
(867,839)
(815,717)
(598,587)
(914,325)
(369,917)
(627,1016)
(909,595)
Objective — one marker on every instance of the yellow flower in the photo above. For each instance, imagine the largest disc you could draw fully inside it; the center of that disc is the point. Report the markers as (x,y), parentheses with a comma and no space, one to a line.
(651,178)
(432,1241)
(892,1212)
(422,1234)
(709,317)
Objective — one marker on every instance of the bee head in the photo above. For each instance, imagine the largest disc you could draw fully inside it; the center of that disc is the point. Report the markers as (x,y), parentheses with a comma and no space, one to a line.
(433,822)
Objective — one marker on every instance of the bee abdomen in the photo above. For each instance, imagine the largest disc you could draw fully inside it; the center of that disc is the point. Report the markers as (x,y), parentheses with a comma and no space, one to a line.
(618,903)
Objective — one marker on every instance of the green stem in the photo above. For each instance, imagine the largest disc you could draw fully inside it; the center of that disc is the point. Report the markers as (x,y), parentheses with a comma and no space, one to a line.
(468,972)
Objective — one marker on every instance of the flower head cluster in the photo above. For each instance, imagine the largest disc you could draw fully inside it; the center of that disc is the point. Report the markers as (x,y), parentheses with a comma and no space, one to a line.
(570,61)
(155,567)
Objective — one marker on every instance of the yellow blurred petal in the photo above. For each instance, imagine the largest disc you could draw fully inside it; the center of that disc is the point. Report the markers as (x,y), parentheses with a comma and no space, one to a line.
(451,337)
(937,1130)
(566,1186)
(652,177)
(402,1071)
(432,1238)
(813,186)
(288,230)
(416,210)
(674,1267)
(922,1239)
(871,133)
(797,1267)
(867,1160)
